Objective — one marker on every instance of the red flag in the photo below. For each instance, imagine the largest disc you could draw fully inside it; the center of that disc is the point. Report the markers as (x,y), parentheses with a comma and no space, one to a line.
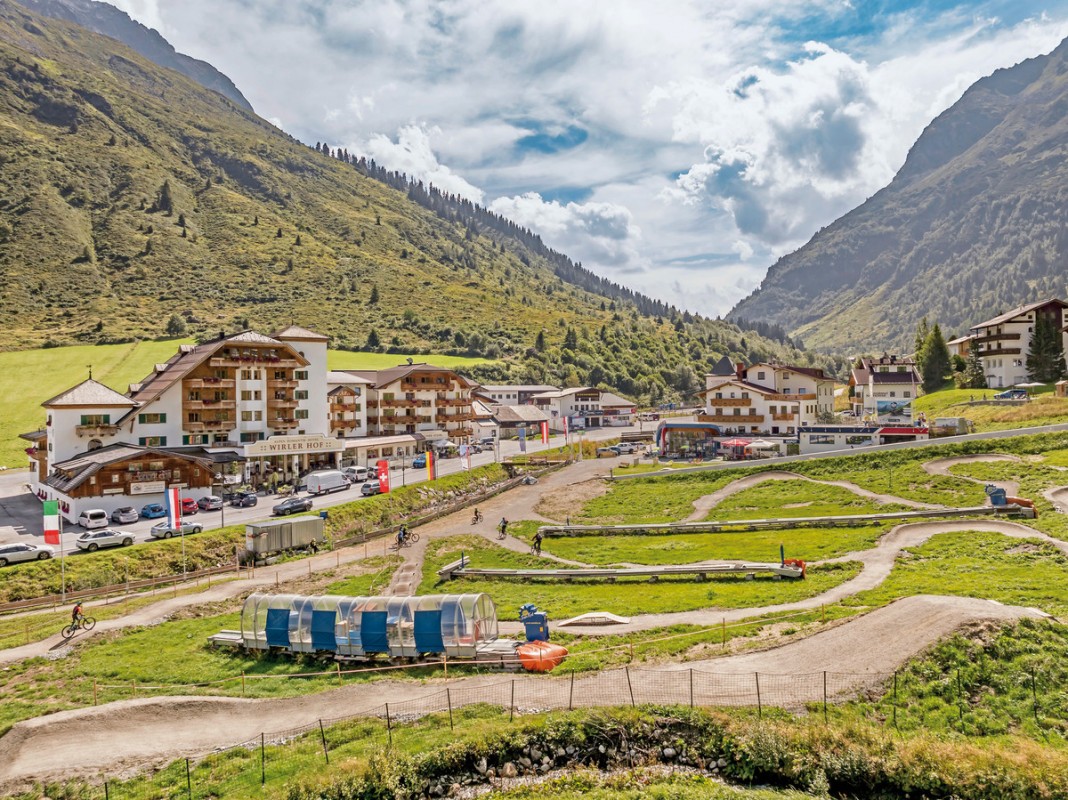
(174,507)
(545,432)
(383,475)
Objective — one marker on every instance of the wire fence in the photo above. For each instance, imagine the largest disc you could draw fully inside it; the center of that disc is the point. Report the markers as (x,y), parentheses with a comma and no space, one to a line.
(275,757)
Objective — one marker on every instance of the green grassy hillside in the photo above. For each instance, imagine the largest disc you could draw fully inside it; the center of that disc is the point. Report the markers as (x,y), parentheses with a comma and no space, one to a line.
(33,376)
(130,195)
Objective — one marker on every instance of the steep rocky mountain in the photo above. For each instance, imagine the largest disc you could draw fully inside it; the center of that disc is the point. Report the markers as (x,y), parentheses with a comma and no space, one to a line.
(110,21)
(974,223)
(135,203)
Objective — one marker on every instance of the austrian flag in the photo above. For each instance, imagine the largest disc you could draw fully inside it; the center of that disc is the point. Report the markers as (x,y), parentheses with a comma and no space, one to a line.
(51,522)
(545,432)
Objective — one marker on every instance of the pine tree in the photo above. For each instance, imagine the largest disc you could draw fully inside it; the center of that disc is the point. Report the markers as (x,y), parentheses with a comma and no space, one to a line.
(539,342)
(175,326)
(570,340)
(372,340)
(1045,358)
(935,359)
(165,201)
(373,299)
(973,376)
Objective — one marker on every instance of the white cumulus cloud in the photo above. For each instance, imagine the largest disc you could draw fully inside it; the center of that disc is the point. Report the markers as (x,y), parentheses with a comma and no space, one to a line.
(412,154)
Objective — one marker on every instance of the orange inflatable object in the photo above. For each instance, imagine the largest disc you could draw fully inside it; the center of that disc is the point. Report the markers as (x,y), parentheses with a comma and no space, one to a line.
(795,562)
(1023,502)
(540,656)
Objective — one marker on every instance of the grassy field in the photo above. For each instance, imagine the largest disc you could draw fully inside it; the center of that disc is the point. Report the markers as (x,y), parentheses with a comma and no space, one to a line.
(1044,408)
(33,376)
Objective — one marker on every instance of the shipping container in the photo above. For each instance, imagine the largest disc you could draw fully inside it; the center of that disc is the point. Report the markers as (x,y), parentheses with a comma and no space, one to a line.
(294,533)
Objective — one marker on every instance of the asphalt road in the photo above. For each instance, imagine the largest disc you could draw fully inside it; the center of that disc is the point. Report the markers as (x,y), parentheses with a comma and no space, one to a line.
(20,510)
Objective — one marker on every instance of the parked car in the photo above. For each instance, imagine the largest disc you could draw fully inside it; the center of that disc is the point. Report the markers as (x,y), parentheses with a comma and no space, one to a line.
(325,481)
(244,500)
(370,488)
(607,452)
(189,506)
(210,503)
(486,441)
(153,511)
(109,537)
(125,515)
(93,518)
(626,448)
(356,474)
(419,462)
(1012,394)
(292,506)
(164,530)
(13,553)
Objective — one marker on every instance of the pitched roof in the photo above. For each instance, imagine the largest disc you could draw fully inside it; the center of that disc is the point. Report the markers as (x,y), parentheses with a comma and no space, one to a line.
(345,376)
(812,372)
(723,367)
(614,400)
(384,377)
(1018,311)
(512,415)
(909,376)
(72,473)
(743,384)
(89,393)
(530,387)
(302,334)
(558,393)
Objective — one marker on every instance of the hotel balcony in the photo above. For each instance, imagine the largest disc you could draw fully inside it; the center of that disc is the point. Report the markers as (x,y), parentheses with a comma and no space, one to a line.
(96,430)
(730,419)
(995,337)
(1001,351)
(284,423)
(783,417)
(209,383)
(344,424)
(460,433)
(399,403)
(282,383)
(208,425)
(282,402)
(196,405)
(791,398)
(254,360)
(730,401)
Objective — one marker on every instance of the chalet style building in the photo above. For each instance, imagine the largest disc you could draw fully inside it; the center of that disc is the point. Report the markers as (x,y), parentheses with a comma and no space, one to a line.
(1004,342)
(765,398)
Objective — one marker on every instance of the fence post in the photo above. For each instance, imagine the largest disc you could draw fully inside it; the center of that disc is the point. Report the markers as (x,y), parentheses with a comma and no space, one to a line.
(448,699)
(895,698)
(825,697)
(629,687)
(242,683)
(571,693)
(960,705)
(94,691)
(188,780)
(339,679)
(760,705)
(107,795)
(322,733)
(263,759)
(724,631)
(691,687)
(511,703)
(1034,694)
(389,726)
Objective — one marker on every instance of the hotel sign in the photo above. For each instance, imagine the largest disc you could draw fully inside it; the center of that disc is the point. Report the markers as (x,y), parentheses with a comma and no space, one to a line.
(294,445)
(148,487)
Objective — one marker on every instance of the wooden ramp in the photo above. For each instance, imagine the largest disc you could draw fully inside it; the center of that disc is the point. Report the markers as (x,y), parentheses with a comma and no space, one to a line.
(731,526)
(460,569)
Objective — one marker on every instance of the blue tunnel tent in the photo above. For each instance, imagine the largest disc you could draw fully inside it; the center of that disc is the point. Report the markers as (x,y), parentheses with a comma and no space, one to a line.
(453,624)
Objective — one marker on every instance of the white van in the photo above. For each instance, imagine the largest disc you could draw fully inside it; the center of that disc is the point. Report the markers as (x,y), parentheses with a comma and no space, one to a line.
(93,518)
(356,474)
(326,480)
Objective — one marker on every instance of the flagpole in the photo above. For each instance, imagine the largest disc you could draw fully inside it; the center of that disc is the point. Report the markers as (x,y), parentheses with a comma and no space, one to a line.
(62,562)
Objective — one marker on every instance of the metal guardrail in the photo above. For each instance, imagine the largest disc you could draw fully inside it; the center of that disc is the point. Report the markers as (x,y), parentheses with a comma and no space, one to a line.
(702,571)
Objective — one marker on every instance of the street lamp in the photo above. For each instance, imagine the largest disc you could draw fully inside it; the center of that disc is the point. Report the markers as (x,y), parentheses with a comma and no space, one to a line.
(222,491)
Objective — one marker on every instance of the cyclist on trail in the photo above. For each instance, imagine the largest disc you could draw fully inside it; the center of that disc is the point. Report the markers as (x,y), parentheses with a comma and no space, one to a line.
(477,518)
(537,542)
(502,526)
(76,613)
(402,536)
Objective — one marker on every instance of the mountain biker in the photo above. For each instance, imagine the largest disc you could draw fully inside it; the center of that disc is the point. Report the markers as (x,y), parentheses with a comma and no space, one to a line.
(76,613)
(477,517)
(502,526)
(537,542)
(402,536)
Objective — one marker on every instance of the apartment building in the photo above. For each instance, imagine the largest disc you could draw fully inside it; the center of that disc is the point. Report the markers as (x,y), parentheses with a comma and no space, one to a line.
(766,398)
(884,388)
(1004,341)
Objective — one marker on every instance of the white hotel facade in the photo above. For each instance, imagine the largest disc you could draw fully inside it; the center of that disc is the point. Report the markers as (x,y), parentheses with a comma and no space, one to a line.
(246,407)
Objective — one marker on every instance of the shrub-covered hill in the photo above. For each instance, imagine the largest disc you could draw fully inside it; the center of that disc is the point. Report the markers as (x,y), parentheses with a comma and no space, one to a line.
(130,194)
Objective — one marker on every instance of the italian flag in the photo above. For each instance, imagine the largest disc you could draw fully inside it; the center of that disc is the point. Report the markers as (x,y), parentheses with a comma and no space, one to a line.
(51,522)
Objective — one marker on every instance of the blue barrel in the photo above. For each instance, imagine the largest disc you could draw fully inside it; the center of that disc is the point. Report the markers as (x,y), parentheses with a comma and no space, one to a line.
(537,626)
(996,495)
(324,515)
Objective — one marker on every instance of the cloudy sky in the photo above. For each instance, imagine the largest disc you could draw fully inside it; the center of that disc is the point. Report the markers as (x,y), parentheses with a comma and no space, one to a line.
(678,147)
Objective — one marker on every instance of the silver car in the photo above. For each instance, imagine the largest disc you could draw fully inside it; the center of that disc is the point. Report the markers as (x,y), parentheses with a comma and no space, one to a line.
(13,553)
(125,515)
(164,530)
(108,537)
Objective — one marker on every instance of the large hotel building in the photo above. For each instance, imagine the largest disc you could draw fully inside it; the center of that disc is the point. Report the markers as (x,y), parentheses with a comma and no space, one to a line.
(242,408)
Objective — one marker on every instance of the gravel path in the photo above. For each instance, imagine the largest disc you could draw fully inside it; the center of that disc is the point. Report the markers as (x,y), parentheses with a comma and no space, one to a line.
(135,734)
(942,466)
